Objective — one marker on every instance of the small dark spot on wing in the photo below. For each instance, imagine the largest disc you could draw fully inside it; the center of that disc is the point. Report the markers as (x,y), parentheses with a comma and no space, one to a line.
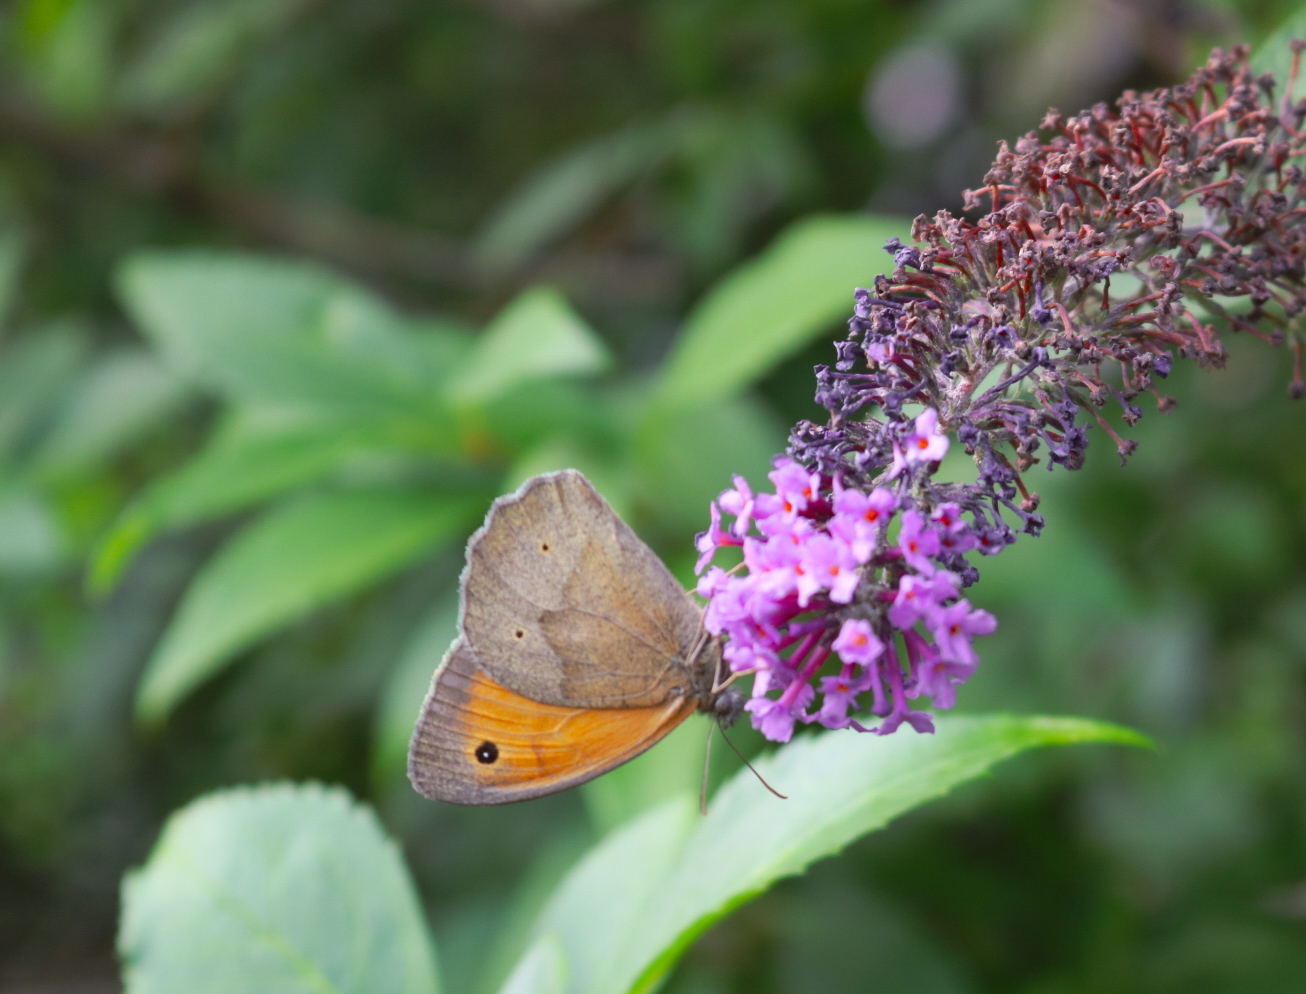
(487,752)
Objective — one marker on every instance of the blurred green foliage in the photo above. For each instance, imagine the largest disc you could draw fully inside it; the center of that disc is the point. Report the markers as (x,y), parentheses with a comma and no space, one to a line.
(264,270)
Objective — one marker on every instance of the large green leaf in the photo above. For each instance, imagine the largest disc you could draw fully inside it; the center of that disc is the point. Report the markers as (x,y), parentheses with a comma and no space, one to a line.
(771,307)
(543,970)
(536,336)
(267,331)
(292,889)
(627,912)
(253,456)
(296,558)
(1273,54)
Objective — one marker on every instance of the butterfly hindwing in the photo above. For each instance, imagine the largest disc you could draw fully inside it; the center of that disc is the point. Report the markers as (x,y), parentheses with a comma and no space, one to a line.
(477,742)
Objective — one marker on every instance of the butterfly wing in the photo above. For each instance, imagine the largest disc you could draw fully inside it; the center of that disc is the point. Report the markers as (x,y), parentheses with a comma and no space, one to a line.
(564,604)
(477,742)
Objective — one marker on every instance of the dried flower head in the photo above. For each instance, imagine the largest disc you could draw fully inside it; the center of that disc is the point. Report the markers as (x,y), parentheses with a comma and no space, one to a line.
(1116,241)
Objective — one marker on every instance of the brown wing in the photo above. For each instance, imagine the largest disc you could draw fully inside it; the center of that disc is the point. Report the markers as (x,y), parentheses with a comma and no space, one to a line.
(563,603)
(477,742)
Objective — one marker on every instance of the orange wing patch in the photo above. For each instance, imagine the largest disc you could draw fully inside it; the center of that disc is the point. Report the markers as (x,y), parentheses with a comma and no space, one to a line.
(477,742)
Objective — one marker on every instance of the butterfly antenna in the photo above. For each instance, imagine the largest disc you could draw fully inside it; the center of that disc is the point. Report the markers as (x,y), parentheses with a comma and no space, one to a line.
(761,779)
(707,765)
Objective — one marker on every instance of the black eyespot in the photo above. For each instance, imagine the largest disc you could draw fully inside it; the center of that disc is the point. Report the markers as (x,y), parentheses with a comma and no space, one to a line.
(520,634)
(544,546)
(487,753)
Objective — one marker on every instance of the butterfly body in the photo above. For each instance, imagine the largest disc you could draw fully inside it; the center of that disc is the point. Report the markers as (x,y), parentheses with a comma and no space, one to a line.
(577,650)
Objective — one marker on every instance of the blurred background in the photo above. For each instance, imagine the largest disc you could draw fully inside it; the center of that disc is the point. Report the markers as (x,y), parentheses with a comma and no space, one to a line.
(444,162)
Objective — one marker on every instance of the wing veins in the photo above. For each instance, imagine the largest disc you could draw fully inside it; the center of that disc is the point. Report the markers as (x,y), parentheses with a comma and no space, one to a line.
(579,610)
(653,622)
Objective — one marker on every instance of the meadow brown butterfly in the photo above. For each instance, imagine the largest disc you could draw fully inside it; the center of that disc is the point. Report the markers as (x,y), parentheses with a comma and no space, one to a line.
(576,651)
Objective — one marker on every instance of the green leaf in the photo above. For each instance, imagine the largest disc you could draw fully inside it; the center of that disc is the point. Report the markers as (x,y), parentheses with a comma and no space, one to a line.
(270,332)
(771,307)
(628,911)
(32,543)
(684,456)
(121,396)
(254,456)
(1273,55)
(735,166)
(406,687)
(501,951)
(296,558)
(536,336)
(532,413)
(34,371)
(565,190)
(543,970)
(68,46)
(197,48)
(293,889)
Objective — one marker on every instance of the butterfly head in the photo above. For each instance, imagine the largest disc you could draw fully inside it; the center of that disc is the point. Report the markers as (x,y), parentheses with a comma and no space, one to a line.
(728,706)
(716,694)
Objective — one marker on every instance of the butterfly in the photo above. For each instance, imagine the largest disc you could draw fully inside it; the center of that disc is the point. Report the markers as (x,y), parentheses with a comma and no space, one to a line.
(576,651)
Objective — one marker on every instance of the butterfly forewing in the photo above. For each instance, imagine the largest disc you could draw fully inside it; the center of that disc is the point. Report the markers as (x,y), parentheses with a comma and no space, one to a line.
(564,604)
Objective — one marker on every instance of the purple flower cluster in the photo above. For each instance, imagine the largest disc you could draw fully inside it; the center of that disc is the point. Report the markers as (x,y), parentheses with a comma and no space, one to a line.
(1003,331)
(835,570)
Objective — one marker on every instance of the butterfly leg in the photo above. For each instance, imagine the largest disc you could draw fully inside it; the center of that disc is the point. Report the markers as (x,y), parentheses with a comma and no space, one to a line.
(717,686)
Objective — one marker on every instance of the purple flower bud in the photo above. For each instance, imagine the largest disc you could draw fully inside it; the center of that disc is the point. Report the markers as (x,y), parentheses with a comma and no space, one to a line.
(1003,337)
(1040,312)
